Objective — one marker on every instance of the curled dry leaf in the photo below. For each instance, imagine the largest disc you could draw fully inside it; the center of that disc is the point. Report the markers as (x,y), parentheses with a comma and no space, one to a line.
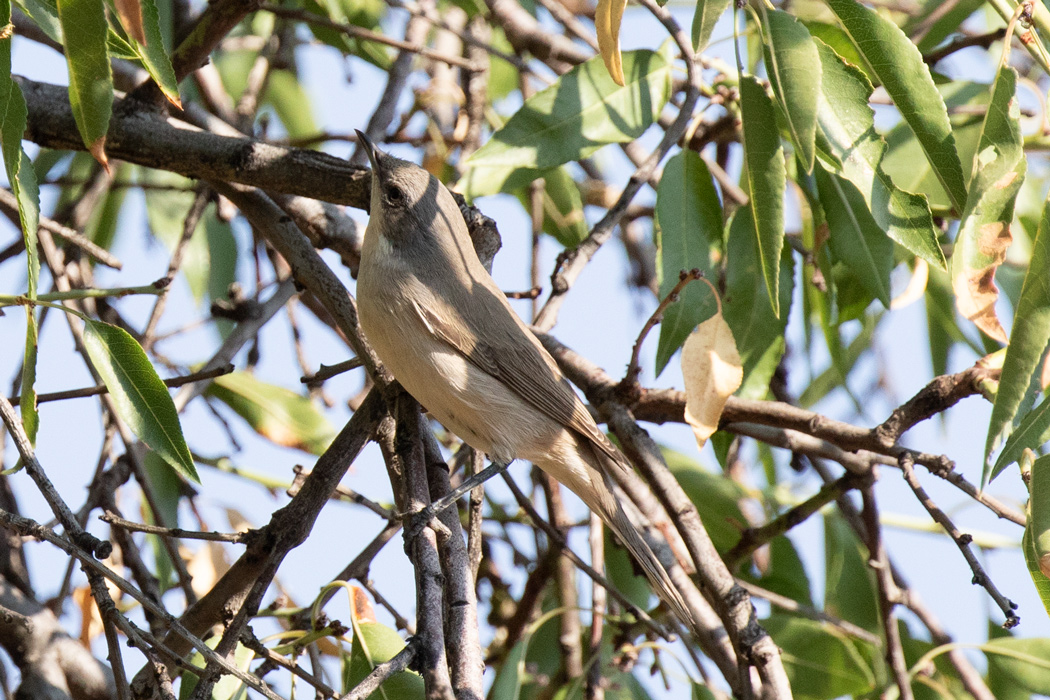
(712,371)
(363,610)
(607,17)
(916,288)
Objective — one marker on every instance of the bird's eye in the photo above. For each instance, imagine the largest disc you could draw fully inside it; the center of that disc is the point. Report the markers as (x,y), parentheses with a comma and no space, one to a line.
(394,194)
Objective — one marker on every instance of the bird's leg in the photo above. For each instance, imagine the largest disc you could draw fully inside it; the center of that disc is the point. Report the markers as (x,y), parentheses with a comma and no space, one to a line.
(420,519)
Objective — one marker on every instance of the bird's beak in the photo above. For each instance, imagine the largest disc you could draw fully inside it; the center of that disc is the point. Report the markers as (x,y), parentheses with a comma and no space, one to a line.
(370,151)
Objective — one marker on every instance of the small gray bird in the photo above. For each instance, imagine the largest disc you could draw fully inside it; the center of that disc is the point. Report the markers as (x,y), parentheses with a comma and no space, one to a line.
(438,321)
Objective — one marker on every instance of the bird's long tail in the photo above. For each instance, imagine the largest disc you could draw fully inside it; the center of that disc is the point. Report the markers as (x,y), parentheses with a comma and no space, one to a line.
(651,565)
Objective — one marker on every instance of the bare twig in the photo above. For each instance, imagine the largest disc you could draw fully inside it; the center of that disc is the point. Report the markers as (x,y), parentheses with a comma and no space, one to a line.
(962,541)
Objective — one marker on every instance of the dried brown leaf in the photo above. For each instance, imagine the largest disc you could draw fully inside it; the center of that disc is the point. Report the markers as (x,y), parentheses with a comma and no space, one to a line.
(975,290)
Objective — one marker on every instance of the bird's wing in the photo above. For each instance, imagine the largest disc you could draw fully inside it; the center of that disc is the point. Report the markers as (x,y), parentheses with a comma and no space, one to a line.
(510,353)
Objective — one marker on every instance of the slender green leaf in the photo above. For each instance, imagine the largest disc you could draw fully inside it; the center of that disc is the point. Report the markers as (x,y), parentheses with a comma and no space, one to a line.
(142,400)
(820,661)
(850,587)
(85,30)
(758,332)
(688,226)
(766,179)
(707,14)
(23,181)
(1032,433)
(1040,501)
(1028,339)
(855,237)
(581,112)
(894,59)
(281,415)
(848,124)
(790,58)
(45,14)
(984,234)
(153,56)
(943,26)
(228,686)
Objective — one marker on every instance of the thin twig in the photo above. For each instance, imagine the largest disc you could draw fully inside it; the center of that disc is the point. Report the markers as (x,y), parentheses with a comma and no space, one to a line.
(171,383)
(962,541)
(370,683)
(176,532)
(888,594)
(634,368)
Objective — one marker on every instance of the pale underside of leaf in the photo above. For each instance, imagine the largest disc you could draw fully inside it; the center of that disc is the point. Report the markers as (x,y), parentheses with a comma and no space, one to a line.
(712,371)
(130,12)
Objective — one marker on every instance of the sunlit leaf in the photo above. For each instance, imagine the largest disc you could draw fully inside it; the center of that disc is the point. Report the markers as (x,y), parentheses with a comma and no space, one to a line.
(141,399)
(848,123)
(707,14)
(688,226)
(984,234)
(766,179)
(578,114)
(281,415)
(1028,339)
(790,59)
(85,30)
(891,56)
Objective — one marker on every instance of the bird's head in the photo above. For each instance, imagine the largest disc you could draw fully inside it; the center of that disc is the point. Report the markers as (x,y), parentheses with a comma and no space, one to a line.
(407,201)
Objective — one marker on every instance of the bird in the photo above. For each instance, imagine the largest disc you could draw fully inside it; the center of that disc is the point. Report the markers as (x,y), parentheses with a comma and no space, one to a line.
(444,329)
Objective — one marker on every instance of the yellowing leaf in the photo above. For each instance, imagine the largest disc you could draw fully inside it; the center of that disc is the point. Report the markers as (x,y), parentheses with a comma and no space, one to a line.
(712,371)
(90,619)
(607,17)
(207,566)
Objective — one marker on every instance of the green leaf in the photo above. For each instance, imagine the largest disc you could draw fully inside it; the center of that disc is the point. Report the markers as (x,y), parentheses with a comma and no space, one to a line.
(854,236)
(907,164)
(142,400)
(1026,661)
(850,589)
(687,227)
(228,686)
(1031,558)
(1028,339)
(22,177)
(375,644)
(85,30)
(766,179)
(285,92)
(1031,433)
(1036,540)
(562,207)
(894,59)
(946,24)
(820,661)
(717,498)
(581,112)
(166,488)
(281,415)
(707,14)
(848,124)
(790,58)
(758,332)
(786,574)
(620,569)
(984,233)
(153,56)
(45,14)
